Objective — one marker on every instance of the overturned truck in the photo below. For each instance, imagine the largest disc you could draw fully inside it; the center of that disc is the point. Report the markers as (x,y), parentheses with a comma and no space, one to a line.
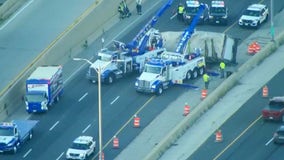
(215,47)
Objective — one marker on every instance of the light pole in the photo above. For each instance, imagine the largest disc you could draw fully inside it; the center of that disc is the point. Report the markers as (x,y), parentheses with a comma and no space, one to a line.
(98,70)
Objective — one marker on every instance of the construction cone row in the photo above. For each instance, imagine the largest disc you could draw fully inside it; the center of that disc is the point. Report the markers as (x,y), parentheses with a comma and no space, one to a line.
(253,48)
(115,142)
(203,93)
(186,109)
(265,91)
(219,136)
(136,122)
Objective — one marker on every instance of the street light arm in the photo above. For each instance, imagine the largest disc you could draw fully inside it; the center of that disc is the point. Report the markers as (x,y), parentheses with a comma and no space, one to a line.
(82,59)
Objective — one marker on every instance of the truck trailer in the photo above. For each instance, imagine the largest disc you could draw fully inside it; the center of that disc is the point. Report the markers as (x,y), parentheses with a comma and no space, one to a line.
(43,87)
(15,133)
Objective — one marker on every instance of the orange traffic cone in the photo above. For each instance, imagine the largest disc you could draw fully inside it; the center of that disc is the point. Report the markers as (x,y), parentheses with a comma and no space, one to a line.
(203,93)
(219,137)
(115,142)
(265,91)
(257,47)
(136,122)
(186,109)
(250,49)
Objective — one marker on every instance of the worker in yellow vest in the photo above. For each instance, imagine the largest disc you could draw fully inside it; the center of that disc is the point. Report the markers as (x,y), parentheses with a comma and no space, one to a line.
(222,69)
(206,79)
(180,11)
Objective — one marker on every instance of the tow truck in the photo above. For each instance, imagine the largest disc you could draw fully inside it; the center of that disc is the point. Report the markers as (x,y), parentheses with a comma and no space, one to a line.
(172,67)
(129,58)
(218,13)
(191,10)
(13,134)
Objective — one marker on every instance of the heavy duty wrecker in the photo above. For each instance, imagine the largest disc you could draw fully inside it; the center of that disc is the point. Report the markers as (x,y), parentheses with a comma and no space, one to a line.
(129,58)
(172,67)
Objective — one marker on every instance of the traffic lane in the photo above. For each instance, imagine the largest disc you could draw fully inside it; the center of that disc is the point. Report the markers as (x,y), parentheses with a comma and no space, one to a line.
(147,113)
(22,39)
(245,130)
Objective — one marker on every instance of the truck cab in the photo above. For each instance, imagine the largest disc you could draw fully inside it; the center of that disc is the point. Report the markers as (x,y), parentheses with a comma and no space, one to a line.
(218,13)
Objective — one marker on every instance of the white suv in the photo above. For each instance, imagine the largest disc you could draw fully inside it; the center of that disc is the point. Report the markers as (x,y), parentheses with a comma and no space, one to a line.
(81,148)
(254,15)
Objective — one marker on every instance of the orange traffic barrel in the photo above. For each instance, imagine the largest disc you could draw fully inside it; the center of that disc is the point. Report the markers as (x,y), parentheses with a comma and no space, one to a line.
(218,136)
(203,93)
(265,91)
(186,109)
(115,142)
(136,121)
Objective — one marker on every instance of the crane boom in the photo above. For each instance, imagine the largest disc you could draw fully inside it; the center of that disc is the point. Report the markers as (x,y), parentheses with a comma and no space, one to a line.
(134,44)
(189,31)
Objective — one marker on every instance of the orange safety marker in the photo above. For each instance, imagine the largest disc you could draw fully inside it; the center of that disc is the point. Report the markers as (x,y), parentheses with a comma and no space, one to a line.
(102,156)
(251,49)
(186,109)
(257,47)
(115,142)
(203,93)
(219,137)
(265,91)
(136,122)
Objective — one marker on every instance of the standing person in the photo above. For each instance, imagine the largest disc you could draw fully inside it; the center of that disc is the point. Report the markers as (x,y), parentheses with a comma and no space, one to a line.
(206,80)
(139,6)
(180,11)
(222,69)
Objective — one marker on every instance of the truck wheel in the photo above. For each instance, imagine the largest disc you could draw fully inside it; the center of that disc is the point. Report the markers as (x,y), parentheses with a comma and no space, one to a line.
(110,79)
(160,90)
(30,135)
(194,74)
(188,75)
(15,149)
(201,71)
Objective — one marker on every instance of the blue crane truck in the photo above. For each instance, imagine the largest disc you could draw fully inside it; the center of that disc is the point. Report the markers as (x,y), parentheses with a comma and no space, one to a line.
(129,58)
(172,67)
(13,134)
(43,87)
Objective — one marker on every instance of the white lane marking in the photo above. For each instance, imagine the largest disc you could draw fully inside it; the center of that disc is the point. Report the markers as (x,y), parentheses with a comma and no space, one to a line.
(15,15)
(27,153)
(52,127)
(83,97)
(172,17)
(269,141)
(60,156)
(114,100)
(86,128)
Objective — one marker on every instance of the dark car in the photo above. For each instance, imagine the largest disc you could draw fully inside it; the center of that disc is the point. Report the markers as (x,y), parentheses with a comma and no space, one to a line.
(191,10)
(218,13)
(274,110)
(279,135)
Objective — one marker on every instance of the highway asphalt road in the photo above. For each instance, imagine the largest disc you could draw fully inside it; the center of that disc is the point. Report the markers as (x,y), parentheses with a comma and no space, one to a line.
(246,135)
(33,29)
(76,113)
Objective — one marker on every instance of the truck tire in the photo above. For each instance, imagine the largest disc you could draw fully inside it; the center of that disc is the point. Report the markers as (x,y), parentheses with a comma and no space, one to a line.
(201,71)
(30,135)
(188,75)
(110,79)
(160,90)
(15,148)
(194,74)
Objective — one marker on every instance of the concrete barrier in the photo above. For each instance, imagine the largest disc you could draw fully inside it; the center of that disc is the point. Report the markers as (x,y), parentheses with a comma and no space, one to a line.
(207,103)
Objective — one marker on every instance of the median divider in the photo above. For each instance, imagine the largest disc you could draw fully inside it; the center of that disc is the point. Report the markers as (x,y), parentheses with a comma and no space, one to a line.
(213,98)
(10,7)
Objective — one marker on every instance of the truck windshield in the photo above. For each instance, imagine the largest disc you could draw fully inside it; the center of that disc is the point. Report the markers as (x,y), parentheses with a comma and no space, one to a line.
(252,13)
(217,10)
(192,10)
(80,146)
(35,97)
(6,132)
(105,58)
(153,69)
